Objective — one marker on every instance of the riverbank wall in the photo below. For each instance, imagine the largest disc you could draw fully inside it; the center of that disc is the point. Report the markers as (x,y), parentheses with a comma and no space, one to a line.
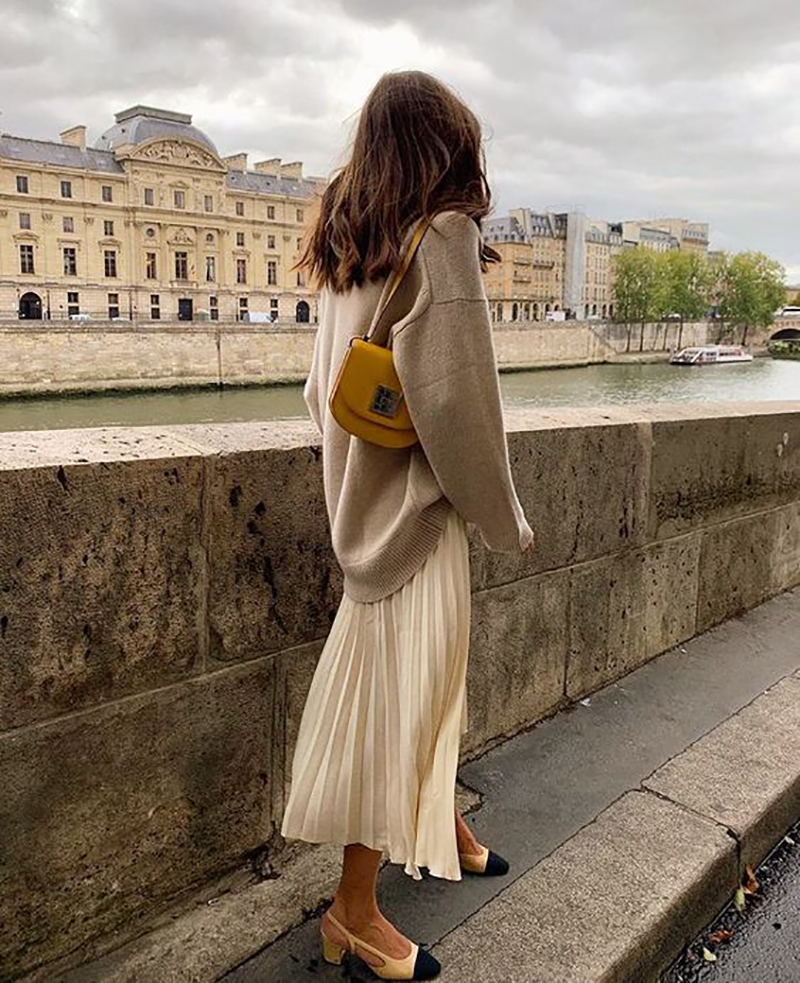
(57,356)
(165,593)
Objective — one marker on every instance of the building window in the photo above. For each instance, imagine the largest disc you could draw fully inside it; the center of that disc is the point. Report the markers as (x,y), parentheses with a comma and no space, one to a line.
(240,238)
(243,310)
(149,196)
(241,271)
(107,192)
(110,262)
(270,211)
(67,224)
(301,278)
(181,266)
(299,214)
(26,259)
(22,184)
(155,307)
(208,203)
(272,272)
(213,308)
(211,269)
(179,197)
(150,270)
(273,308)
(209,237)
(299,244)
(73,303)
(240,208)
(108,228)
(66,189)
(113,305)
(70,261)
(24,220)
(270,242)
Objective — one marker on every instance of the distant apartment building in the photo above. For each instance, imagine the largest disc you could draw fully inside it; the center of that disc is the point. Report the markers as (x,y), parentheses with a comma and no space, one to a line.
(529,282)
(552,261)
(563,261)
(662,234)
(151,222)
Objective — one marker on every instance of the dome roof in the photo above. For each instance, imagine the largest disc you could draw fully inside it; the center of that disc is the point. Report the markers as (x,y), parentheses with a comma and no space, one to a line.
(141,123)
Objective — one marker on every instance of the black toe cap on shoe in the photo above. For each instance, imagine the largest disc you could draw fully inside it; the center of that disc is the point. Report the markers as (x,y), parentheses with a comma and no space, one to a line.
(426,966)
(495,865)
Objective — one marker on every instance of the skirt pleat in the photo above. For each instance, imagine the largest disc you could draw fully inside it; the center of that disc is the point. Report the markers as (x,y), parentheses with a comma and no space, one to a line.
(377,749)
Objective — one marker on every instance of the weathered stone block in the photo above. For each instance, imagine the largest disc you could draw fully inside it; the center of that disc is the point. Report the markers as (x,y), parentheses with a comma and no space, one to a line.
(627,608)
(515,673)
(745,561)
(706,470)
(109,812)
(100,570)
(584,491)
(273,579)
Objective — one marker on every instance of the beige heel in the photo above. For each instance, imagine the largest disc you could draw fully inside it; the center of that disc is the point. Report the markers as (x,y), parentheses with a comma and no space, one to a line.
(331,952)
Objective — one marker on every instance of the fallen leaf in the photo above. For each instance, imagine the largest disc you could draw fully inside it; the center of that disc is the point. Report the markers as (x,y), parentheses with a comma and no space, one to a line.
(720,936)
(789,840)
(709,956)
(750,884)
(739,900)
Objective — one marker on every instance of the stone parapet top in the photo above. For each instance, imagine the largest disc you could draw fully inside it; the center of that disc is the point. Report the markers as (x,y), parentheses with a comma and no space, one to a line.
(42,448)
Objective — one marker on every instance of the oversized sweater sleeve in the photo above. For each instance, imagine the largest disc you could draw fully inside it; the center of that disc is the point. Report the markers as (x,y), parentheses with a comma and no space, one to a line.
(446,363)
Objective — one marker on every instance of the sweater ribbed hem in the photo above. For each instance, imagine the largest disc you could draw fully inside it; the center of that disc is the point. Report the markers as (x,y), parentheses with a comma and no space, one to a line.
(392,567)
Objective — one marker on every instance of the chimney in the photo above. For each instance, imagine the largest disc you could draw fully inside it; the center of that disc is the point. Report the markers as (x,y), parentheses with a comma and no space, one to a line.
(295,169)
(271,167)
(75,136)
(236,162)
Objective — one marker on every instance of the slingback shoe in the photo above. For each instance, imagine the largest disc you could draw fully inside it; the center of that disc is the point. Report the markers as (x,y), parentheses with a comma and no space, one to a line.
(488,863)
(417,965)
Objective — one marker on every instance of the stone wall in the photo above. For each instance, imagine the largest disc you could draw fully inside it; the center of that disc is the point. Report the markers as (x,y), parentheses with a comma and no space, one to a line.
(62,356)
(165,592)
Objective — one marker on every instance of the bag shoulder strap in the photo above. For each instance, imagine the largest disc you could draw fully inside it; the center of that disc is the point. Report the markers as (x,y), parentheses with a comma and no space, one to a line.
(399,274)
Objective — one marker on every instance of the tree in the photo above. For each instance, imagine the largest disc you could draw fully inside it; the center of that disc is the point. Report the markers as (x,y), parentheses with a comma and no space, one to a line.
(753,289)
(636,288)
(686,281)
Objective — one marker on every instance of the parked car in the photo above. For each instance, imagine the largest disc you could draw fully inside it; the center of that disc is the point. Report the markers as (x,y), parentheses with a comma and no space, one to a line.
(80,317)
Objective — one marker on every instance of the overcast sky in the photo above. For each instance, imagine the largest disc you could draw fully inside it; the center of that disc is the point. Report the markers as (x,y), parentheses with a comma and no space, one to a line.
(622,108)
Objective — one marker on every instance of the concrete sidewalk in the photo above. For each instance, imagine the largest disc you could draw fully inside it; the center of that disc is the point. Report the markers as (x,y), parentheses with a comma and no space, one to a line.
(626,819)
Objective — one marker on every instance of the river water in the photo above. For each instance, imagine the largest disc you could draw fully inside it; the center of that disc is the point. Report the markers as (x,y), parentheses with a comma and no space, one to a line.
(594,385)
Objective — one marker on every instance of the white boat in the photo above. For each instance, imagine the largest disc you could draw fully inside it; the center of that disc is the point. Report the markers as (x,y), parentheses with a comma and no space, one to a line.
(710,355)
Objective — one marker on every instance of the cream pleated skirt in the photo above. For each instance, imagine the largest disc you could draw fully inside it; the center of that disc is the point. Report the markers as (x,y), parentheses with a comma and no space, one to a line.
(377,749)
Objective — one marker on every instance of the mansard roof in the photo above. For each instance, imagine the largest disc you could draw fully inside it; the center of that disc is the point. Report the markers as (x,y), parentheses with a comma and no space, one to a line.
(57,154)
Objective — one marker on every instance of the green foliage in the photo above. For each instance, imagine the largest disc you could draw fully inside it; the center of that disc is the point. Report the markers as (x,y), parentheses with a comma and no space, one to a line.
(686,279)
(746,289)
(752,289)
(636,285)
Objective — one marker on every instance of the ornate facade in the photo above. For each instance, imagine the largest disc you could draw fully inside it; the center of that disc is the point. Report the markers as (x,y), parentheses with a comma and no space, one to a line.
(150,223)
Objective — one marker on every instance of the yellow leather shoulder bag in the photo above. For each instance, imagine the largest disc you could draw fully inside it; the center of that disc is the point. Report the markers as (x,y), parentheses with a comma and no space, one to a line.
(367,398)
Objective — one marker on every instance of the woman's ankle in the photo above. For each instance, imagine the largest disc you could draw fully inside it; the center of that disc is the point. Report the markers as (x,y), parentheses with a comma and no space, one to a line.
(354,913)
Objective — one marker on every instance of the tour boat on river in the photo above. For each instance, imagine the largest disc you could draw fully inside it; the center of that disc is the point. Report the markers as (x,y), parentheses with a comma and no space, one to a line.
(711,355)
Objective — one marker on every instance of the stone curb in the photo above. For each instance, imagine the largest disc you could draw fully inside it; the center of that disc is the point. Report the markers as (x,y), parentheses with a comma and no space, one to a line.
(621,898)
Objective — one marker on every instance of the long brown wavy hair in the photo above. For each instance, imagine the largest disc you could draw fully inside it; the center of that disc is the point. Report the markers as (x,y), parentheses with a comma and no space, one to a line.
(417,151)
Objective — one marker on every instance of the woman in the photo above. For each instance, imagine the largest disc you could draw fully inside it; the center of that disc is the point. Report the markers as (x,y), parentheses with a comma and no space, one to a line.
(375,762)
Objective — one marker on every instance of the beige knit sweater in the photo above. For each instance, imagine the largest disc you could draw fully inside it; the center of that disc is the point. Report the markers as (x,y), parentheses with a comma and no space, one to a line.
(387,508)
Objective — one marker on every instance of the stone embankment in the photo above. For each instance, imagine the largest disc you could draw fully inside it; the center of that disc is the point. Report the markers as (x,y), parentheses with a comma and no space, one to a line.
(60,356)
(165,592)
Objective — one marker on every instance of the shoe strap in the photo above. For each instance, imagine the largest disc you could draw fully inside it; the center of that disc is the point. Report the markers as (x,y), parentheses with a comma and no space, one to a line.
(353,939)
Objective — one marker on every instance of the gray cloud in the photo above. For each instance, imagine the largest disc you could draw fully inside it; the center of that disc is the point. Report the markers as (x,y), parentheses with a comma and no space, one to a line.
(624,109)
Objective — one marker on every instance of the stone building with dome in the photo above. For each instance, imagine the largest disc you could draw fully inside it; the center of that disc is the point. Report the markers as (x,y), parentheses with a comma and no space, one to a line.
(150,223)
